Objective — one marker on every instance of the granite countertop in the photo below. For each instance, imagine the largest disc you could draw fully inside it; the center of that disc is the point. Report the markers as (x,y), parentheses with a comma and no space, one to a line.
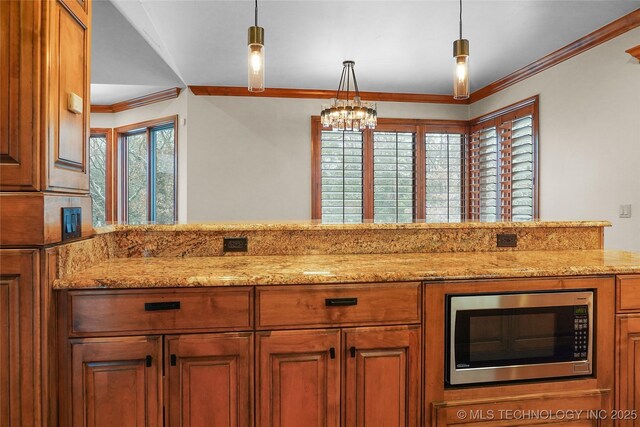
(318,226)
(120,273)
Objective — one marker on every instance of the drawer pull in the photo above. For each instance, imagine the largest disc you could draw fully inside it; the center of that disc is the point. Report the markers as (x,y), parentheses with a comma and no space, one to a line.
(148,360)
(157,306)
(340,302)
(352,350)
(332,352)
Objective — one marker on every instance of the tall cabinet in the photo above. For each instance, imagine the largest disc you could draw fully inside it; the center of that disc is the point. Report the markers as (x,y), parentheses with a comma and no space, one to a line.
(44,128)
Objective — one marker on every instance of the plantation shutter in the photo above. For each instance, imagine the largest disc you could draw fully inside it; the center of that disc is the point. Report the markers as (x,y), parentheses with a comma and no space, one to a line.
(341,177)
(483,174)
(517,169)
(393,177)
(444,177)
(501,168)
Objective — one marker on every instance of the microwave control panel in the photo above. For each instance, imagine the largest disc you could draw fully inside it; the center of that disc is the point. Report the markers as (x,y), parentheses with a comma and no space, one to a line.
(581,332)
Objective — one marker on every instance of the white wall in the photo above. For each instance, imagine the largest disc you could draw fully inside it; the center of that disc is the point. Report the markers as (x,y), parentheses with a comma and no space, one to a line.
(249,159)
(589,137)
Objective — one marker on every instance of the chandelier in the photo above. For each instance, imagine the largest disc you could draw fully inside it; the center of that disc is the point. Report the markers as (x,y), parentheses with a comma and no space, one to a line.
(345,113)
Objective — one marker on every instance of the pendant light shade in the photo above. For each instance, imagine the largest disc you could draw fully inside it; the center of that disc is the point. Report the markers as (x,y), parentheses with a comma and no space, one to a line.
(461,66)
(255,58)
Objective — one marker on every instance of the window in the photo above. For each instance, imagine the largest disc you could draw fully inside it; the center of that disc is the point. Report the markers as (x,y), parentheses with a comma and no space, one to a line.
(503,165)
(100,176)
(134,181)
(428,170)
(148,172)
(401,172)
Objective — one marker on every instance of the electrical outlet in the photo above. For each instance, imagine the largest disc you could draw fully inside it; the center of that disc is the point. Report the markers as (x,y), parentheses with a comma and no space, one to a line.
(235,244)
(507,240)
(71,223)
(625,211)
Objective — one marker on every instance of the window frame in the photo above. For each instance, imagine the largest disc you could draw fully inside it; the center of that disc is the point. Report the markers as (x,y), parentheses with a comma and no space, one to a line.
(418,126)
(496,118)
(111,197)
(121,137)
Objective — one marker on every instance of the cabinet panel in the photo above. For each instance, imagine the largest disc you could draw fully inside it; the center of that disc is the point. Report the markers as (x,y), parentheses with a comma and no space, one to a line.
(382,377)
(298,380)
(157,311)
(628,372)
(68,130)
(628,293)
(19,94)
(19,333)
(338,305)
(116,382)
(575,409)
(210,380)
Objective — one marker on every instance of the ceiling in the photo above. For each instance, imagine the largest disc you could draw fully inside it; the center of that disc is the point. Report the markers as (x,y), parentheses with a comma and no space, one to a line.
(399,46)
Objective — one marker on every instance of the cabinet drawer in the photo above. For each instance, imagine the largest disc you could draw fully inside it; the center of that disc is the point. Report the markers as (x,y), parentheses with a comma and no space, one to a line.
(337,305)
(144,311)
(628,293)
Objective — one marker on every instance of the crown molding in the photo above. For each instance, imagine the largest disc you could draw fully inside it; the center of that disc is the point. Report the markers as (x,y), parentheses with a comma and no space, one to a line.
(324,94)
(599,36)
(635,52)
(129,104)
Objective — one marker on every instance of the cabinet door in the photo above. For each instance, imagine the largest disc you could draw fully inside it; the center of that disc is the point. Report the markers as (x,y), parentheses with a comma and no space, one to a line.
(382,377)
(210,380)
(628,388)
(115,382)
(298,379)
(19,333)
(19,95)
(67,127)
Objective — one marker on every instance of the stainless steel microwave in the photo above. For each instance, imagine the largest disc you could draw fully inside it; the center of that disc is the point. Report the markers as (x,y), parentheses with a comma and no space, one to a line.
(519,336)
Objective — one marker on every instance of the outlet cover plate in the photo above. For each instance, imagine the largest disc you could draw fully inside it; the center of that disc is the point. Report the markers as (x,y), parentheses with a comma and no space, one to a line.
(71,223)
(235,244)
(506,240)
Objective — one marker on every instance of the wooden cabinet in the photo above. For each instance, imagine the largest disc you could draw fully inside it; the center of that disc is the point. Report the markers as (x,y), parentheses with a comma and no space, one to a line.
(628,348)
(66,164)
(46,56)
(116,382)
(19,338)
(298,380)
(628,367)
(130,356)
(305,377)
(382,378)
(210,380)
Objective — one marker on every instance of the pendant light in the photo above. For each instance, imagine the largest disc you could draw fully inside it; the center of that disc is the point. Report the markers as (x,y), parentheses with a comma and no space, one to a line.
(461,71)
(345,113)
(255,60)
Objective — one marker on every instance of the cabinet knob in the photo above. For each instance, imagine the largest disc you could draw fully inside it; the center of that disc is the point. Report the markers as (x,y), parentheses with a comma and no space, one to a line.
(148,361)
(332,352)
(352,350)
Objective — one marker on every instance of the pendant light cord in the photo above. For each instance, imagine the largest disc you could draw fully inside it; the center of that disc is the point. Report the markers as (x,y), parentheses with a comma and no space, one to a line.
(257,15)
(460,18)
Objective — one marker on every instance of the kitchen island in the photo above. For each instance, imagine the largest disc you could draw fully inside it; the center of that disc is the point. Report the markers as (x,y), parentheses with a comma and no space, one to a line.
(324,325)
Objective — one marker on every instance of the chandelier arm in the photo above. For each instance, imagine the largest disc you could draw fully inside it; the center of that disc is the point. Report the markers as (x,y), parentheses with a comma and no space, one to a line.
(355,83)
(340,84)
(348,83)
